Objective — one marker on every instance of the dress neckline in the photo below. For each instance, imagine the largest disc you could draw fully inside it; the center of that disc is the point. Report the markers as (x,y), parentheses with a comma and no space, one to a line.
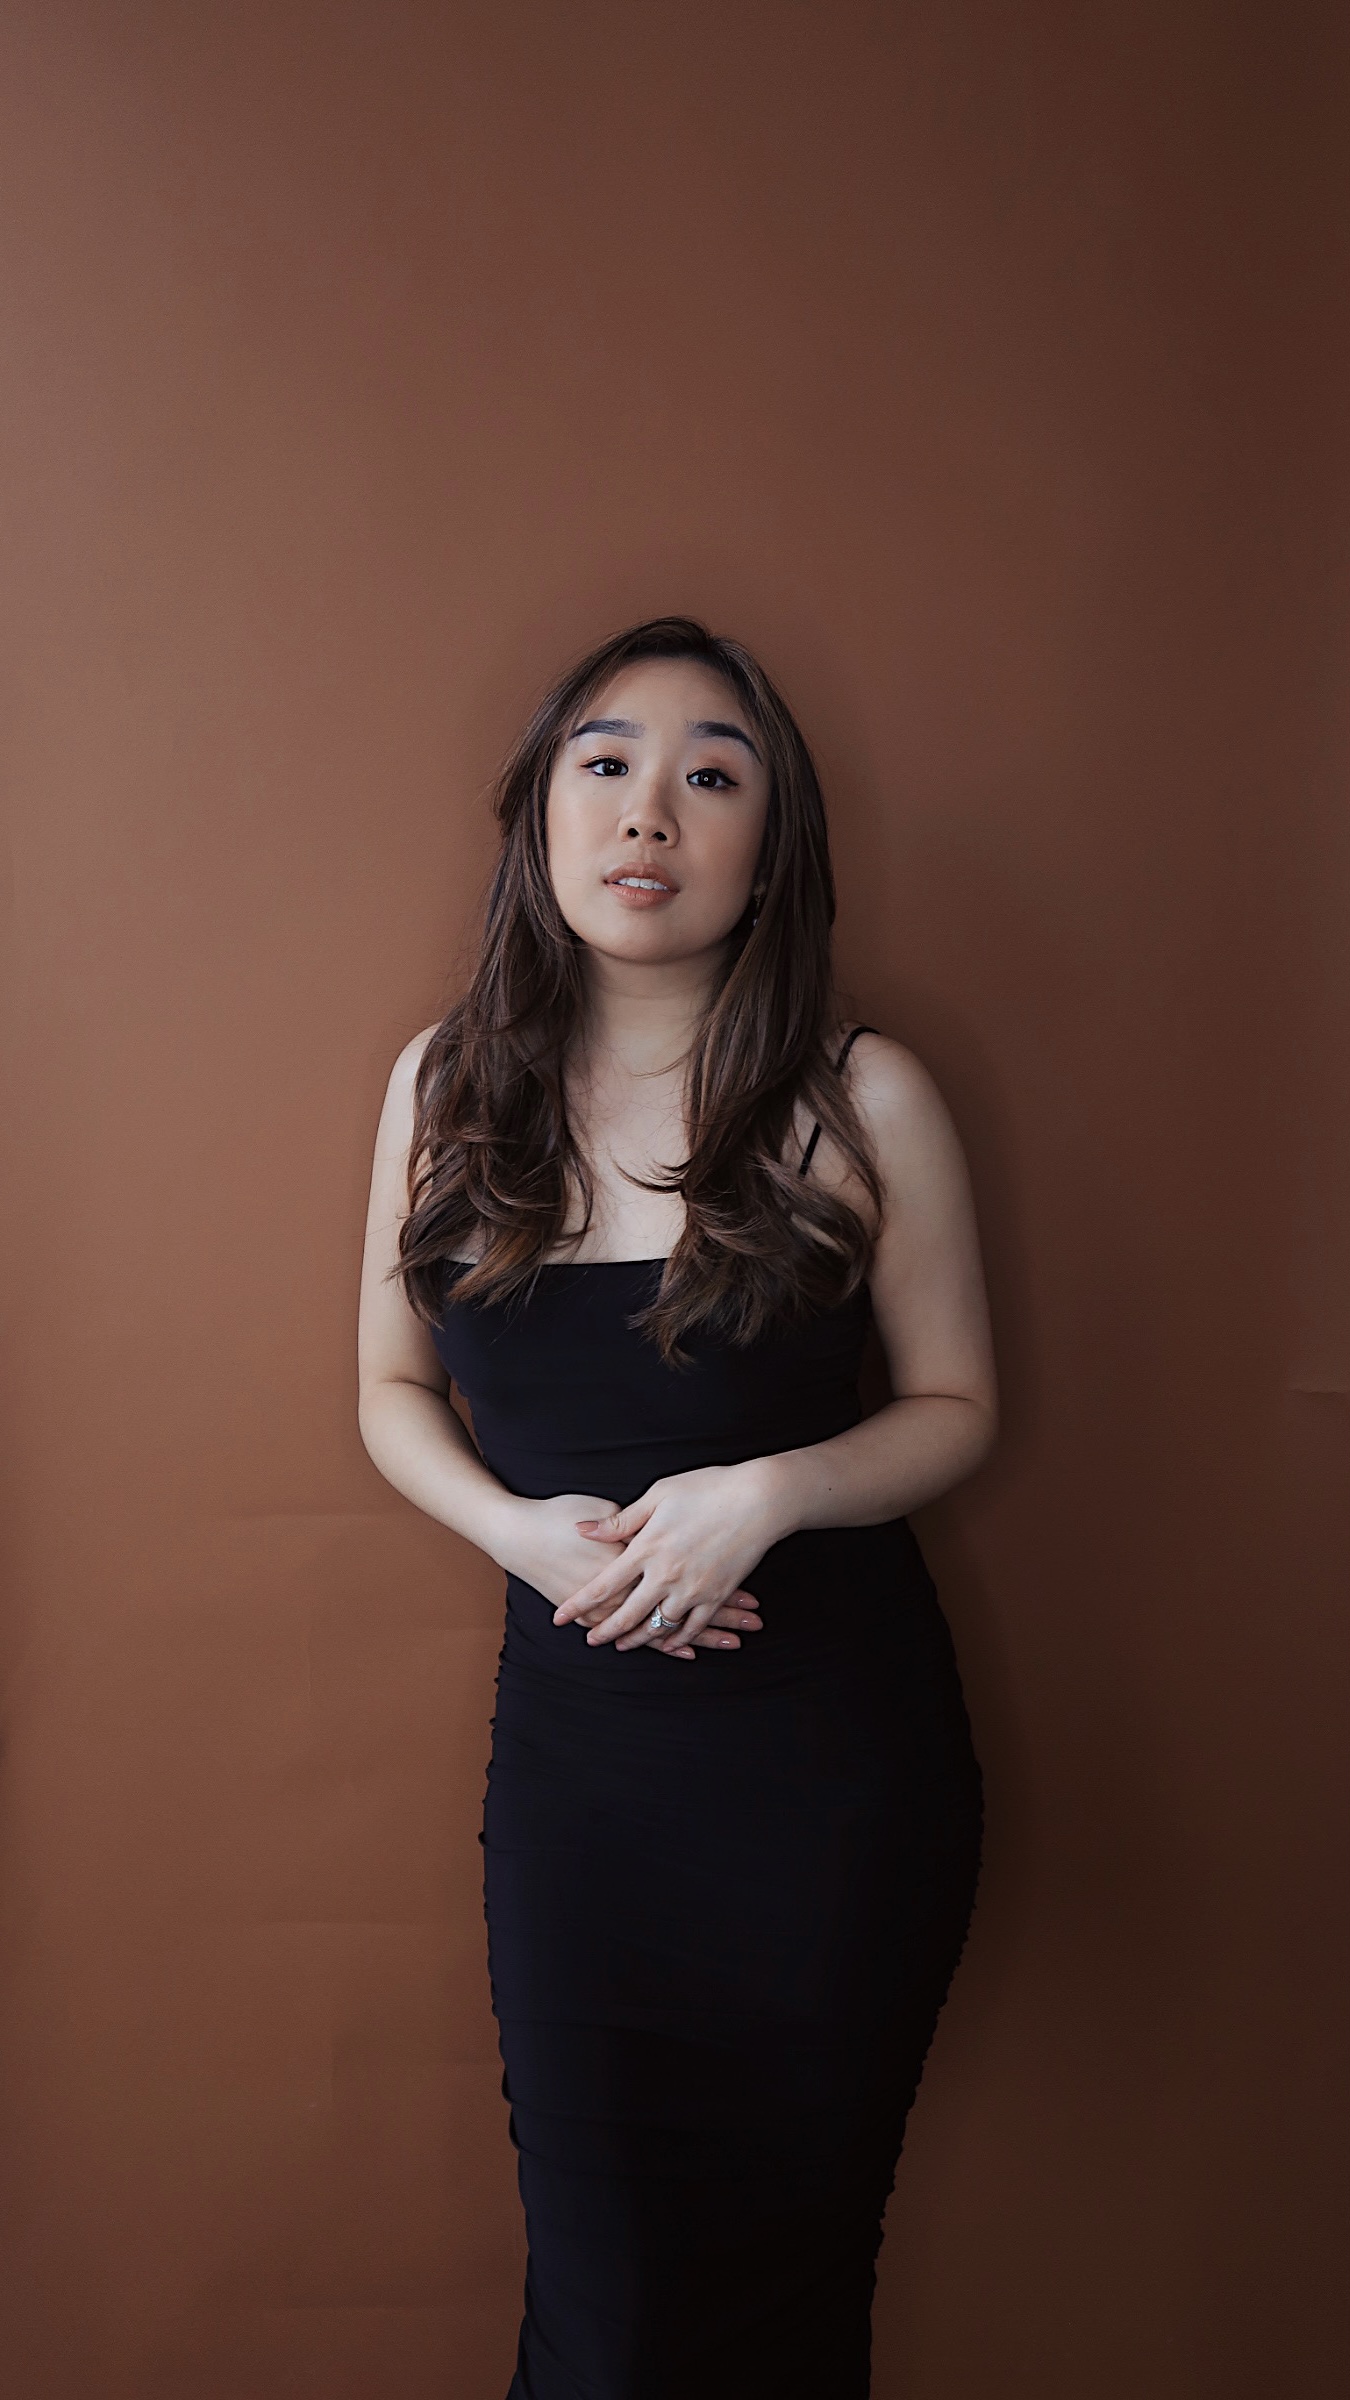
(572,1266)
(578,1266)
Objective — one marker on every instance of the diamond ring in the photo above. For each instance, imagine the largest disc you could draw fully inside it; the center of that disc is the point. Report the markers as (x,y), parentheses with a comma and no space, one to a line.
(660,1624)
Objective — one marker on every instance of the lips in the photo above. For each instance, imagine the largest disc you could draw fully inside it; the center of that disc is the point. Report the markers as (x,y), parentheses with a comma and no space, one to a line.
(642,886)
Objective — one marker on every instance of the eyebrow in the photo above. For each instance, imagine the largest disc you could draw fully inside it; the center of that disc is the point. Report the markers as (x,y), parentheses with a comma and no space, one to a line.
(622,725)
(629,730)
(730,733)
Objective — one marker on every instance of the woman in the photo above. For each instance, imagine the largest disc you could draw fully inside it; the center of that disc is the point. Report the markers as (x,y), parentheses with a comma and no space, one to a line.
(637,1196)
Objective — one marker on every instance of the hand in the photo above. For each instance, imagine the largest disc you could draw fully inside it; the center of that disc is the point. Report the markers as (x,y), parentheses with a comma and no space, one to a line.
(546,1550)
(685,1546)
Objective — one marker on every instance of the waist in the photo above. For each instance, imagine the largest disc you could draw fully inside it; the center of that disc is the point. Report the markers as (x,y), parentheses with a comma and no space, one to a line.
(621,1469)
(823,1593)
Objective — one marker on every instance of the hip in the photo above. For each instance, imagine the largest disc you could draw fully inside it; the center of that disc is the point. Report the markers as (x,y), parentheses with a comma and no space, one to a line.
(860,1751)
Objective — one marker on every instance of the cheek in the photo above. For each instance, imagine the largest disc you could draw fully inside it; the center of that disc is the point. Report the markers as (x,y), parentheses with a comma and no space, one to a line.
(568,844)
(726,856)
(572,853)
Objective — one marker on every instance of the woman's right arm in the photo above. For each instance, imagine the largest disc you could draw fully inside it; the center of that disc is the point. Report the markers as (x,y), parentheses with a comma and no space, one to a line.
(407,1422)
(415,1437)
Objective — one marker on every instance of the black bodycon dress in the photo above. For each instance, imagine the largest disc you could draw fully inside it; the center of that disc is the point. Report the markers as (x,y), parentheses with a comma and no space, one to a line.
(724,1897)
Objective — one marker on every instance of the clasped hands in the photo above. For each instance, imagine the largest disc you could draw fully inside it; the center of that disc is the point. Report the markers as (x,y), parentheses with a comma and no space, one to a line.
(684,1546)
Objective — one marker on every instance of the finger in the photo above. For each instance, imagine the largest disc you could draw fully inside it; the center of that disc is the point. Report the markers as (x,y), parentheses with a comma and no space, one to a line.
(612,1584)
(619,1526)
(739,1617)
(631,1623)
(740,1605)
(692,1621)
(595,1612)
(742,1617)
(605,1590)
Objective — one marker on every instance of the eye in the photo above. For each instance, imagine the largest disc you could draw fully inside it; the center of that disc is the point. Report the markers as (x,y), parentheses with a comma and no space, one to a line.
(605,766)
(719,779)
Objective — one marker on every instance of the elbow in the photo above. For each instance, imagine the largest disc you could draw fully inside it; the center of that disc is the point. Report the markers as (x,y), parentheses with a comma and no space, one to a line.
(377,1395)
(364,1415)
(985,1439)
(370,1415)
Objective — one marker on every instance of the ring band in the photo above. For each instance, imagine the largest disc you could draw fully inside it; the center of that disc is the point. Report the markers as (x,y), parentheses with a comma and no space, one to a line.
(660,1624)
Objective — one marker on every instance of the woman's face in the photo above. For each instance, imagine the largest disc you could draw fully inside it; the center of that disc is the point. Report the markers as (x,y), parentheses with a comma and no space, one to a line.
(656,813)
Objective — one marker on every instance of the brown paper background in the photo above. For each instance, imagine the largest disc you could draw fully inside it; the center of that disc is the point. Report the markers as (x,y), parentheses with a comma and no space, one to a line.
(982,367)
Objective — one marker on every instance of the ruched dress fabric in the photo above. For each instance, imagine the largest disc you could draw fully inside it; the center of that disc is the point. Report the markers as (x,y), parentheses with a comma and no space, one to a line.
(724,1897)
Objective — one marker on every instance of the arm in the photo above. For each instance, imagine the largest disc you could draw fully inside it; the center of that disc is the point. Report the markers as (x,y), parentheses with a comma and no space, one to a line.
(931,1310)
(407,1423)
(692,1533)
(415,1436)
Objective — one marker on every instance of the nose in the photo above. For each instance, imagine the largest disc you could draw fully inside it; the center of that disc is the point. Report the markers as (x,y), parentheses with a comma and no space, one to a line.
(647,812)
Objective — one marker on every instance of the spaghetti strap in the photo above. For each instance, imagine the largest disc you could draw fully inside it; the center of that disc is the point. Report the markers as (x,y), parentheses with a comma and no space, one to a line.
(810,1150)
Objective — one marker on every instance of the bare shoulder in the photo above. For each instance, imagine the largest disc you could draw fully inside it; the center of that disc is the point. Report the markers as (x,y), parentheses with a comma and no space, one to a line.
(899,1101)
(397,1114)
(403,1073)
(393,1138)
(891,1087)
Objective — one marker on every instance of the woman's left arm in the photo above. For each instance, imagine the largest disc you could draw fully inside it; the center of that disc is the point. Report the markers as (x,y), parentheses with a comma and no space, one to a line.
(690,1538)
(931,1309)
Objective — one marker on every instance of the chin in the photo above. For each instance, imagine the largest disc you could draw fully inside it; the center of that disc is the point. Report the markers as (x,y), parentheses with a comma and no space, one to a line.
(642,939)
(643,943)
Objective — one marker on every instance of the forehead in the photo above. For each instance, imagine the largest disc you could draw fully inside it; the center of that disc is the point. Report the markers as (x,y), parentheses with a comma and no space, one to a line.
(666,691)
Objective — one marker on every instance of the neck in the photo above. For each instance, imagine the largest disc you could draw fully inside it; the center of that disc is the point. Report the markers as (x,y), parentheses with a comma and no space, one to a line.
(645,1017)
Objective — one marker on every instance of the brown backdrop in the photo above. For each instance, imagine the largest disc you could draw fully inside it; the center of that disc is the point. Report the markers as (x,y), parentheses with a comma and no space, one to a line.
(977,364)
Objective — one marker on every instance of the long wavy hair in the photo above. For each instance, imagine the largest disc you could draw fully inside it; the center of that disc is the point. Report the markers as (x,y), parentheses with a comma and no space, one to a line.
(495,1160)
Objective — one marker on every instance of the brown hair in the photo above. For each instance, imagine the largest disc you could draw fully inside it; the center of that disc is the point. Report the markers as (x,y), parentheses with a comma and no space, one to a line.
(493,1154)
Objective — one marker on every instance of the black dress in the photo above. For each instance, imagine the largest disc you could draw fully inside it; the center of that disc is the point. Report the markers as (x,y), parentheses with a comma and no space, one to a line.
(724,1897)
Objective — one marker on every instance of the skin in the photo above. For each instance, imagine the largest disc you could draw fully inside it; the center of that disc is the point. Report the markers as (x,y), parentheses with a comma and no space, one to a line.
(650,792)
